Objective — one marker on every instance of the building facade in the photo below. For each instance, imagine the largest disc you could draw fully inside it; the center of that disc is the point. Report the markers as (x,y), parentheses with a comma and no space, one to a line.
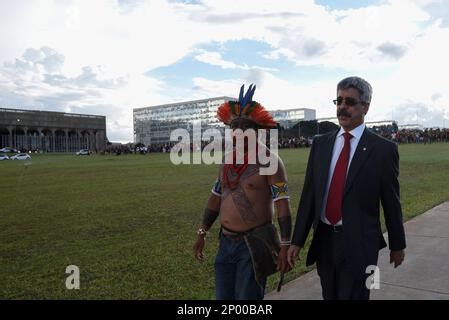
(153,125)
(386,123)
(30,130)
(411,127)
(329,119)
(289,117)
(369,124)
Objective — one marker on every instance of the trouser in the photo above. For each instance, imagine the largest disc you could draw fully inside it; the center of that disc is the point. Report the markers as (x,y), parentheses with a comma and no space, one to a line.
(234,273)
(338,282)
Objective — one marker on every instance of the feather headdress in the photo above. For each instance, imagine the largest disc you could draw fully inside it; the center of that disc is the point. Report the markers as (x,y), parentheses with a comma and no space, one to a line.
(245,108)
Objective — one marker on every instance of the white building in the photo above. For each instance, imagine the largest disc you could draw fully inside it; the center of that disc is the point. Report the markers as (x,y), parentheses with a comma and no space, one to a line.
(411,127)
(329,119)
(289,117)
(153,125)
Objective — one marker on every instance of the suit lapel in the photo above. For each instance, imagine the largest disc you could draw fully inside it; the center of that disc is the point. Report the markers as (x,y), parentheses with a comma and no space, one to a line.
(325,164)
(361,154)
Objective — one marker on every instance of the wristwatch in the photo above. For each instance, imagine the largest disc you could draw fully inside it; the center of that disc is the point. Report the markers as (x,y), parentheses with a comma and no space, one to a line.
(201,232)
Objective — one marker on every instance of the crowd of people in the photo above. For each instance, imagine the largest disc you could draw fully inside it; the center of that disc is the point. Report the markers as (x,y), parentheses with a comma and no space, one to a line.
(428,135)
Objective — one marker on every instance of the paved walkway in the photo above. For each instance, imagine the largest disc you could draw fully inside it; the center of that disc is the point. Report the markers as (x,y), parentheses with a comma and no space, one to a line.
(424,274)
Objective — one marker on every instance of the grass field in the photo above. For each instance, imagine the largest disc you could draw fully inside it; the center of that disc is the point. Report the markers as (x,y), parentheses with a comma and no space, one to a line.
(128,222)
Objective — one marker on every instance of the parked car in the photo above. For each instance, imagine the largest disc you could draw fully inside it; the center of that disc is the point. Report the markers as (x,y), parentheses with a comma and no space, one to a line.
(83,152)
(8,150)
(4,157)
(21,156)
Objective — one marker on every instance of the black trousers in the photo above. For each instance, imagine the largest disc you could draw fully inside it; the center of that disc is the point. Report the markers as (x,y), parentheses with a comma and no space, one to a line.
(337,281)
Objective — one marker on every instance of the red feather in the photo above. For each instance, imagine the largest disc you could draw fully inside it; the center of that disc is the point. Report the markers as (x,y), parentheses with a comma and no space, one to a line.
(259,115)
(224,113)
(262,117)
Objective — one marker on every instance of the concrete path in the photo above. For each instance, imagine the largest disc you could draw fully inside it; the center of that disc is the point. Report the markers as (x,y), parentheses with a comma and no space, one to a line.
(424,274)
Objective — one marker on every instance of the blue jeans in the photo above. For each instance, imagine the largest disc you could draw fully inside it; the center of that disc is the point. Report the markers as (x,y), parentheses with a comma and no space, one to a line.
(234,273)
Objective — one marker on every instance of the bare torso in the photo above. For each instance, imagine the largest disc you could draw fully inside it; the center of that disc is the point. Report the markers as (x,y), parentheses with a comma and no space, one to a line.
(249,205)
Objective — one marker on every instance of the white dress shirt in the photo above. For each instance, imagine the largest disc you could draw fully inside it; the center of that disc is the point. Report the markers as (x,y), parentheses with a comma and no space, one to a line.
(338,146)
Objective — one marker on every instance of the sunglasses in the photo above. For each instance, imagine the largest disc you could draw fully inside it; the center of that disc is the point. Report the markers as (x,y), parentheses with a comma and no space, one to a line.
(348,101)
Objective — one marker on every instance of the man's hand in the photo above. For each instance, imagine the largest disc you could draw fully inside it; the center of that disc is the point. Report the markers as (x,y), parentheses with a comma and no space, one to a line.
(292,255)
(397,257)
(198,248)
(283,265)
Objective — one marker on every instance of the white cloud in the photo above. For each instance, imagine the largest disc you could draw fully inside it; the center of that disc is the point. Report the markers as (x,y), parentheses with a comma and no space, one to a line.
(215,59)
(396,46)
(287,95)
(94,53)
(36,81)
(157,33)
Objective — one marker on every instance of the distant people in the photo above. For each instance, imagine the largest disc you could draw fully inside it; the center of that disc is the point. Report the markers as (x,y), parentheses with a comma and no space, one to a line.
(350,171)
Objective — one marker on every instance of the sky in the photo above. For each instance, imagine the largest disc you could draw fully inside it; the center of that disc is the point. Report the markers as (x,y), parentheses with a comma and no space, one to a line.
(106,57)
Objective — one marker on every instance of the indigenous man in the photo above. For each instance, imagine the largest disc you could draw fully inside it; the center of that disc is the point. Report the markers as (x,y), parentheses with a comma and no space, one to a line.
(243,198)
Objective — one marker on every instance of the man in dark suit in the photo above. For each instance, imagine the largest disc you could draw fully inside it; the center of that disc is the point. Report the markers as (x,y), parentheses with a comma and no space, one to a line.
(348,173)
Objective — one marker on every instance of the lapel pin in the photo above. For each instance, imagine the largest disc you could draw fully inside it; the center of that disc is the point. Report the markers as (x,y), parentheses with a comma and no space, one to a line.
(364,148)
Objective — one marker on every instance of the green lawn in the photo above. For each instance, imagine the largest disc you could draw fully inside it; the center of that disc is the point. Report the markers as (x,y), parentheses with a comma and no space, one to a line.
(128,222)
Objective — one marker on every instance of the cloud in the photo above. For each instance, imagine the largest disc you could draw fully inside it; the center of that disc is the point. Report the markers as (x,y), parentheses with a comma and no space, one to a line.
(276,93)
(36,81)
(256,76)
(392,50)
(316,95)
(313,47)
(215,59)
(124,38)
(436,96)
(209,88)
(128,6)
(60,55)
(350,38)
(44,67)
(438,9)
(308,48)
(419,113)
(142,35)
(51,60)
(237,17)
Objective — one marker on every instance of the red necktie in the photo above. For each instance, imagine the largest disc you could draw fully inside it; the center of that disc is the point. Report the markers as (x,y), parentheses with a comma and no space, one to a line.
(335,196)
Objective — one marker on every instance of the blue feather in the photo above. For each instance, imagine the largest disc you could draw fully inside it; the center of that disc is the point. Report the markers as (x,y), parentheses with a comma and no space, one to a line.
(250,99)
(248,94)
(243,101)
(242,88)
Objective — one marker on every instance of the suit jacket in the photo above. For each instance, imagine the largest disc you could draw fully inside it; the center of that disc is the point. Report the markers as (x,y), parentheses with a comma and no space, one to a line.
(372,178)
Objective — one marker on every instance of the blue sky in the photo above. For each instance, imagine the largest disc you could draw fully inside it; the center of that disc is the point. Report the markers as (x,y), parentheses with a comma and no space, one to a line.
(248,53)
(346,4)
(63,56)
